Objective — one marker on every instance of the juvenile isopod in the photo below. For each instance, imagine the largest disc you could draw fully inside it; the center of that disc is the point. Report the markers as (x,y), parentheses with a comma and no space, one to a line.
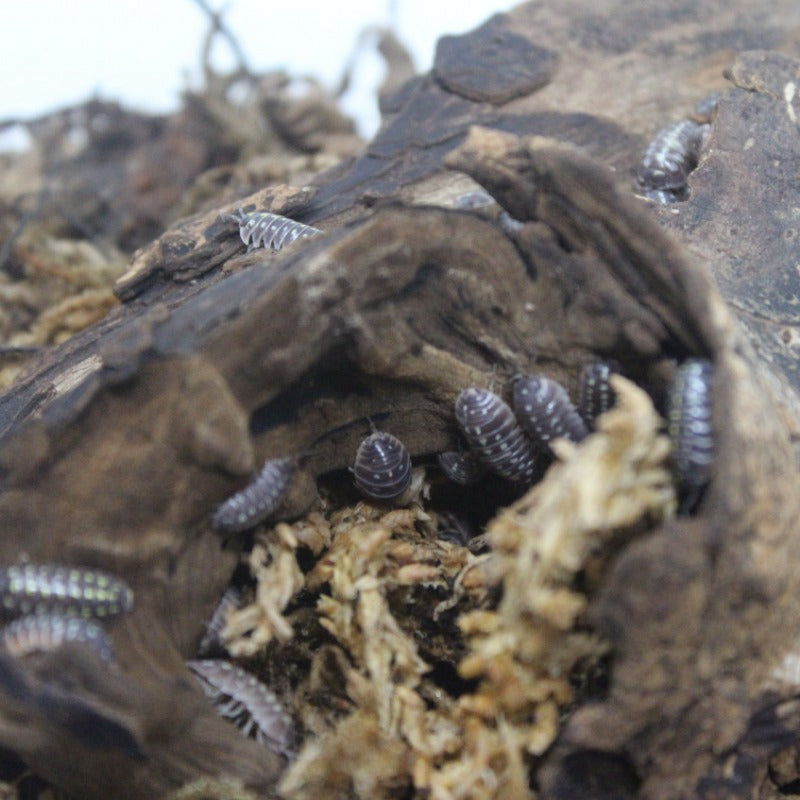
(260,498)
(545,411)
(671,156)
(40,632)
(463,468)
(689,423)
(595,395)
(382,469)
(493,432)
(39,588)
(257,228)
(241,697)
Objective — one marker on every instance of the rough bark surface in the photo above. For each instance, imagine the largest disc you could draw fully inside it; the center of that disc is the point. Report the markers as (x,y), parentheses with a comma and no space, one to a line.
(118,445)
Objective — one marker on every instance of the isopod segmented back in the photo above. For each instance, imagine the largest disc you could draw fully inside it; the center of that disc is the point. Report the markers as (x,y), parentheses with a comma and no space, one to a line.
(671,156)
(690,424)
(260,498)
(463,468)
(39,588)
(596,394)
(241,697)
(493,432)
(382,469)
(41,632)
(273,231)
(545,411)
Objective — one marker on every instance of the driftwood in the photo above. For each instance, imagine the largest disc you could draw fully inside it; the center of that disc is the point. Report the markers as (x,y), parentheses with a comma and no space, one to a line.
(118,445)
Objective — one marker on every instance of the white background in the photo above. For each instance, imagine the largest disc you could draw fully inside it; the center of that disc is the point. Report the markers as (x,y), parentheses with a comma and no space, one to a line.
(57,53)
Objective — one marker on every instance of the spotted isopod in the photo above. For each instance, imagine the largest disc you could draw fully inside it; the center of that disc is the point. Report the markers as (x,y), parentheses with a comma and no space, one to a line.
(545,411)
(671,156)
(41,632)
(242,698)
(689,423)
(260,498)
(595,395)
(493,432)
(257,228)
(464,468)
(382,469)
(40,588)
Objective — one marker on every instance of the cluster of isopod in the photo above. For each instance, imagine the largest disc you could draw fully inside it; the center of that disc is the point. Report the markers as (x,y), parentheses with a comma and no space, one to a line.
(512,441)
(272,231)
(55,604)
(515,442)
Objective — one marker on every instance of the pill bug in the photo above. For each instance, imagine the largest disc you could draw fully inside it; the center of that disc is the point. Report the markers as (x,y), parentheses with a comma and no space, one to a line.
(382,469)
(706,108)
(689,423)
(671,156)
(247,702)
(454,528)
(595,395)
(211,642)
(39,588)
(257,228)
(40,632)
(254,503)
(463,468)
(545,411)
(493,432)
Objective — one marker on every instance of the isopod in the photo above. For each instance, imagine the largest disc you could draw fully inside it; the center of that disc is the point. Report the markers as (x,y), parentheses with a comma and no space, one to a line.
(241,697)
(595,395)
(545,411)
(454,528)
(463,468)
(257,228)
(671,156)
(689,423)
(40,632)
(39,588)
(493,432)
(260,498)
(382,469)
(211,642)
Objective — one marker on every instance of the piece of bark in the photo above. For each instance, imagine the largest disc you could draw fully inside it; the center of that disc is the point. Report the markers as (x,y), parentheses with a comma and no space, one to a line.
(699,687)
(739,218)
(116,449)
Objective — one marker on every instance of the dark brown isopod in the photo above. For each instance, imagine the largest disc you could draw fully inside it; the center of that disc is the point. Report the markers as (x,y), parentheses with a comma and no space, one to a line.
(39,588)
(464,468)
(595,395)
(40,632)
(493,432)
(671,156)
(273,231)
(241,697)
(545,411)
(689,423)
(382,468)
(257,500)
